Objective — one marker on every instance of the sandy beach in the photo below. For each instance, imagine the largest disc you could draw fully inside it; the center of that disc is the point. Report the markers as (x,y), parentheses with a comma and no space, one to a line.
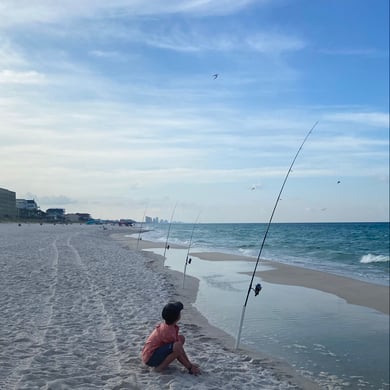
(77,306)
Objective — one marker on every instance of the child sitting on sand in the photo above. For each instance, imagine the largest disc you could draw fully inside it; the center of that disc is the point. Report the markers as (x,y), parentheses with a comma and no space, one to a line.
(164,344)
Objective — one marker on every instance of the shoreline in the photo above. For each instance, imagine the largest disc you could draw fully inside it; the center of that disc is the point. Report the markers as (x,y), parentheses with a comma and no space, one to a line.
(78,306)
(188,297)
(353,291)
(77,301)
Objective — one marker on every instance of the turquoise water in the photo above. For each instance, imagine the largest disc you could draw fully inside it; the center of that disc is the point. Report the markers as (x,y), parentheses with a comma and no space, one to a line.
(358,250)
(340,346)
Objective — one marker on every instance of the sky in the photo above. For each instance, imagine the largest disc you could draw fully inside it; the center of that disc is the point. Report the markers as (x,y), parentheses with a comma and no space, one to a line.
(112,108)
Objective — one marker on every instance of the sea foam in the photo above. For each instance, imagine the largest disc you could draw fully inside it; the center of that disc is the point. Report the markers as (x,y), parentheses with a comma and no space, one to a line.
(374,259)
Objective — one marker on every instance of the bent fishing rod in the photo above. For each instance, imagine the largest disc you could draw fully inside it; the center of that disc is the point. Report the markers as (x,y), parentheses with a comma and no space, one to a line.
(258,287)
(169,229)
(188,260)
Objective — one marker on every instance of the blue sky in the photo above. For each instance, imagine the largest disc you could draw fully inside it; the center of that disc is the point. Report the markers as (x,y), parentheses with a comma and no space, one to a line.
(111,107)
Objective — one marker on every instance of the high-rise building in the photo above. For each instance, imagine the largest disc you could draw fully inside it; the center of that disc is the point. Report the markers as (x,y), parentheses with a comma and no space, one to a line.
(7,203)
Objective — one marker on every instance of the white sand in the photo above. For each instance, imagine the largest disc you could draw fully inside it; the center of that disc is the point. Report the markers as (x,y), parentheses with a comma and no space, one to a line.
(77,306)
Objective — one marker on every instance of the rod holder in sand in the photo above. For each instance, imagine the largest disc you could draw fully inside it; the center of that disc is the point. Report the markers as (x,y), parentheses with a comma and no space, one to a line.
(188,259)
(169,229)
(140,229)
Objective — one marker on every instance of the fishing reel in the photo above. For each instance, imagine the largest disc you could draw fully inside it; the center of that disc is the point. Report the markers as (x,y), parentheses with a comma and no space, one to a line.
(188,260)
(257,289)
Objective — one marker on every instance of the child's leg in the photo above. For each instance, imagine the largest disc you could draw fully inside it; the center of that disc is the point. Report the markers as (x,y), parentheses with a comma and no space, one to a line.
(179,354)
(167,361)
(184,359)
(192,368)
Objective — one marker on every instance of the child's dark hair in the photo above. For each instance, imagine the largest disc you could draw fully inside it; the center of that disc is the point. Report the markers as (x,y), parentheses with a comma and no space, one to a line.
(171,312)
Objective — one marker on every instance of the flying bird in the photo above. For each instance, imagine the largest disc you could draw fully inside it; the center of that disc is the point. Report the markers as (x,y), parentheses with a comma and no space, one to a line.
(338,182)
(255,187)
(215,75)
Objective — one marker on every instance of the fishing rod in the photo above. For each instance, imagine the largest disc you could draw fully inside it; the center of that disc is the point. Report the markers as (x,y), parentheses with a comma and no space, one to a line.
(169,229)
(258,287)
(140,229)
(188,260)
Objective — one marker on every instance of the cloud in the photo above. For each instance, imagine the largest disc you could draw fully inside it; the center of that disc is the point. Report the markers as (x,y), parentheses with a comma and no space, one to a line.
(377,119)
(362,52)
(55,200)
(271,42)
(92,109)
(10,54)
(24,12)
(126,22)
(15,77)
(195,37)
(104,54)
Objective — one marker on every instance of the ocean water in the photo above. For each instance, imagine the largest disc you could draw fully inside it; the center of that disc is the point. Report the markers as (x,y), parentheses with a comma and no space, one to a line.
(338,345)
(358,250)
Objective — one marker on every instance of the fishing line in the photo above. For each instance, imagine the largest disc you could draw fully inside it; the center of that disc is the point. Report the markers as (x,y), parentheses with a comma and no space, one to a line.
(257,289)
(188,261)
(169,229)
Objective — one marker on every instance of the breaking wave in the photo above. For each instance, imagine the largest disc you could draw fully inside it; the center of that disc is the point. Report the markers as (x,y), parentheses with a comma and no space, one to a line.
(366,259)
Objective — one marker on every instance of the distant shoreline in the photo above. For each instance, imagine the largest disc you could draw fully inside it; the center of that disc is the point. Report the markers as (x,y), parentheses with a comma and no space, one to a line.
(148,227)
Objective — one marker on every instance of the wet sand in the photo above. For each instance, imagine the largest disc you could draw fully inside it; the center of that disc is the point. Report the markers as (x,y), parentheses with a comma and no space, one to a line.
(354,291)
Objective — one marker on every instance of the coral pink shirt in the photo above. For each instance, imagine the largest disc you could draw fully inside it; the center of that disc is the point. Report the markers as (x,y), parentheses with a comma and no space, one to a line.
(161,335)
